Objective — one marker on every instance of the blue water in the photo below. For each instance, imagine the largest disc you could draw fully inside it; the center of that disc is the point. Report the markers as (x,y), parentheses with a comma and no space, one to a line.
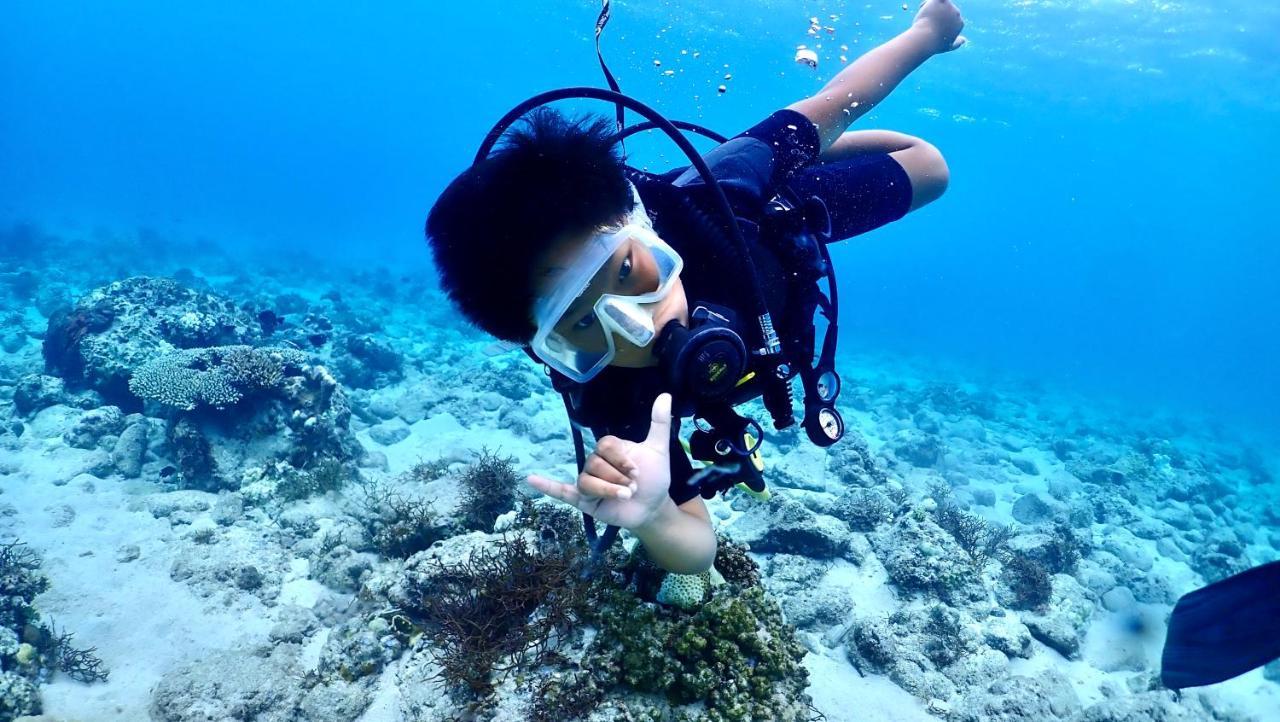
(1114,164)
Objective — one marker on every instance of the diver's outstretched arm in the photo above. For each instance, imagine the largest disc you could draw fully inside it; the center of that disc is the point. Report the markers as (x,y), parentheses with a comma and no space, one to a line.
(869,79)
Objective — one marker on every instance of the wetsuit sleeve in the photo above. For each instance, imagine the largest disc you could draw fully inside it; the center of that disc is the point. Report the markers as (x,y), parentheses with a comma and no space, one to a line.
(863,192)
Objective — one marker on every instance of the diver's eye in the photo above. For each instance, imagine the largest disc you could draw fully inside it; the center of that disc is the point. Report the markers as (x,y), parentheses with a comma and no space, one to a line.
(625,269)
(585,322)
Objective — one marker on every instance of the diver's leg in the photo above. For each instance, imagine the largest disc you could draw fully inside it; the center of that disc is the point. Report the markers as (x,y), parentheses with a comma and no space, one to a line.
(923,163)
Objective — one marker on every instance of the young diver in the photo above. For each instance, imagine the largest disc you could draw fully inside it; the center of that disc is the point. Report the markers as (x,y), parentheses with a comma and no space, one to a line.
(547,242)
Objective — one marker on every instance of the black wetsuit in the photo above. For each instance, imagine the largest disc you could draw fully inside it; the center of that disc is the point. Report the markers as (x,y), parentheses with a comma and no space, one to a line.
(861,193)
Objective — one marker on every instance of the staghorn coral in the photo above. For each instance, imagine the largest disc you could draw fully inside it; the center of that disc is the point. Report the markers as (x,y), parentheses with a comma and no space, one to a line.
(217,377)
(979,538)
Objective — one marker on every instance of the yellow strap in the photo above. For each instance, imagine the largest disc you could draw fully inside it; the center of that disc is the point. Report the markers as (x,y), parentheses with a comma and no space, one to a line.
(756,459)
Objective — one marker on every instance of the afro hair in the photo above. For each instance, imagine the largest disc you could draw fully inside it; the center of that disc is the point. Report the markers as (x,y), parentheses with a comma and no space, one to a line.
(551,178)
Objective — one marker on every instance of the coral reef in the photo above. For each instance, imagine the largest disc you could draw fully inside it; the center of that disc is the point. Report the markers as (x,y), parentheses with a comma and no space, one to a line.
(30,649)
(735,655)
(1028,581)
(980,539)
(369,363)
(853,463)
(684,591)
(217,377)
(921,557)
(117,328)
(185,433)
(735,564)
(863,509)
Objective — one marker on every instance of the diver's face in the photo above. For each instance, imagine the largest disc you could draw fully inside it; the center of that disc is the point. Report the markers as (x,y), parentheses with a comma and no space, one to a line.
(630,271)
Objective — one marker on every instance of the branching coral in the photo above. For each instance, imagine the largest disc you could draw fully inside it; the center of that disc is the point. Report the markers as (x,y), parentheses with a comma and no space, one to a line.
(513,606)
(20,582)
(326,475)
(79,664)
(1063,553)
(426,471)
(45,648)
(981,539)
(218,376)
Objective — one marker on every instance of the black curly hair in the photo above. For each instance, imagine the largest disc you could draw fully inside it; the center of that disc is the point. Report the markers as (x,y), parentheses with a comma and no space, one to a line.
(552,176)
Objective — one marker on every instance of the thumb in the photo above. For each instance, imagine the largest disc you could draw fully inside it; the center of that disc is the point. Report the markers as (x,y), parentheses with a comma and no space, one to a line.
(960,41)
(659,438)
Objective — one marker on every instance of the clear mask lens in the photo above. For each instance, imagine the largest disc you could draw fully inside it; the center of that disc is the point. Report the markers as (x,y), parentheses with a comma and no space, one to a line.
(627,318)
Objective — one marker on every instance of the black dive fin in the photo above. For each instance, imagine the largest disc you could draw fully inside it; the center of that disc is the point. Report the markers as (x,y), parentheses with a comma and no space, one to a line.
(1224,629)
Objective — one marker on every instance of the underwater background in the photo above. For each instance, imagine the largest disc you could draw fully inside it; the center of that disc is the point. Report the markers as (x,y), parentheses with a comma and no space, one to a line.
(1060,377)
(1110,160)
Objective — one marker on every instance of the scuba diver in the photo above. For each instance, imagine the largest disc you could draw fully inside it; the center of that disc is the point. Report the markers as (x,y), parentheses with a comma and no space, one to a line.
(654,297)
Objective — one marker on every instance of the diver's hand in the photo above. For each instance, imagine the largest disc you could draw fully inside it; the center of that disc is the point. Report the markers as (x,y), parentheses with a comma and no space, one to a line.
(623,483)
(941,20)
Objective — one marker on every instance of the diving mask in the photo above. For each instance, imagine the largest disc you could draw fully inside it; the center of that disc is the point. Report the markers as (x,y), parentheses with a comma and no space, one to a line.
(575,335)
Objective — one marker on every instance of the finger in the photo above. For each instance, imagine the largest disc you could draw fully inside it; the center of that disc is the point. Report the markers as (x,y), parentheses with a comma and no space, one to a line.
(564,492)
(614,451)
(603,469)
(659,438)
(960,41)
(597,487)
